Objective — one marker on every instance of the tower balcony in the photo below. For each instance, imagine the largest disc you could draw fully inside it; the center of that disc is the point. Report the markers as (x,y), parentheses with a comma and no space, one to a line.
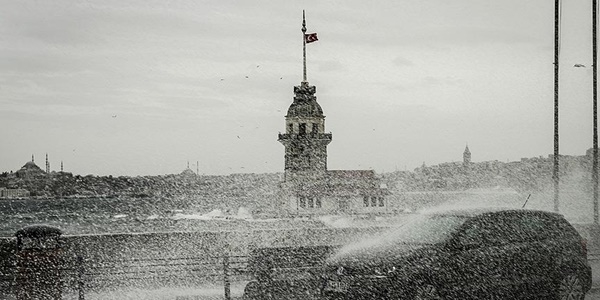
(310,135)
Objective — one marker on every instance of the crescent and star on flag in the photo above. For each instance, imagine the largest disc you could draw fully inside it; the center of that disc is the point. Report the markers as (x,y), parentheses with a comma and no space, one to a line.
(310,37)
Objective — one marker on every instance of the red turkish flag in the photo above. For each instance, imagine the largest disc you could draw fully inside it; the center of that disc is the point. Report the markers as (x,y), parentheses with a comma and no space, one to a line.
(310,37)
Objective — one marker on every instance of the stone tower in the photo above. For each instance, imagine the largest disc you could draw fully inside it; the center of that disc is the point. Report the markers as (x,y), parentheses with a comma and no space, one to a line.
(466,155)
(305,140)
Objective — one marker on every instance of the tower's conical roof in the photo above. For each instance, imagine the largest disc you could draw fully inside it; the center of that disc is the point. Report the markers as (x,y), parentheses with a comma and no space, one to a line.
(467,149)
(305,102)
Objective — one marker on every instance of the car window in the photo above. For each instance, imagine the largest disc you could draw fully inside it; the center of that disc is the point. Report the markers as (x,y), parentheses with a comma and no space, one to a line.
(486,231)
(534,226)
(427,229)
(557,227)
(531,227)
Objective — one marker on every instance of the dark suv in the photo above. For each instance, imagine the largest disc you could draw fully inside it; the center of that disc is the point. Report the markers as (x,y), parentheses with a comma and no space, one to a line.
(466,254)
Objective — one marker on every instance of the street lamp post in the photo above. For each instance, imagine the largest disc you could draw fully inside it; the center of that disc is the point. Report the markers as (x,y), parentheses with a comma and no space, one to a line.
(556,45)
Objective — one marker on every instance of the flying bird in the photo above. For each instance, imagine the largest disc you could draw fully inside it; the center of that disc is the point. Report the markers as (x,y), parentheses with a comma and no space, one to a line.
(578,66)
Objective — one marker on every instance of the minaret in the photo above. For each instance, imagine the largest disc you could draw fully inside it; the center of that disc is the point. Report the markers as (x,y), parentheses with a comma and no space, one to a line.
(47,164)
(61,166)
(305,140)
(467,155)
(32,158)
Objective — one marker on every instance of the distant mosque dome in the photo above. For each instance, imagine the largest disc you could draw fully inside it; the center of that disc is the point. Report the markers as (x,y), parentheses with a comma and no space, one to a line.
(30,165)
(29,170)
(188,173)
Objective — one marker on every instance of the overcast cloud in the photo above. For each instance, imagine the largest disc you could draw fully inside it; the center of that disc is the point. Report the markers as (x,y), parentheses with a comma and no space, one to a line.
(142,87)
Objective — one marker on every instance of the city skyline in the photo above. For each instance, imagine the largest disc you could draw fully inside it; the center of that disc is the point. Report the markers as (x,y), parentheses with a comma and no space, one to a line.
(141,88)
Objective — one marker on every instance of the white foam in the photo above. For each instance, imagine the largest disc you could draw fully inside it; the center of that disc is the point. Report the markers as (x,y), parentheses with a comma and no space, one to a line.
(243,213)
(336,221)
(180,216)
(215,214)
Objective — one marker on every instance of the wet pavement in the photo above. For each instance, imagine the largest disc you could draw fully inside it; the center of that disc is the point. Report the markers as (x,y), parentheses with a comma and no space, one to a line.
(216,291)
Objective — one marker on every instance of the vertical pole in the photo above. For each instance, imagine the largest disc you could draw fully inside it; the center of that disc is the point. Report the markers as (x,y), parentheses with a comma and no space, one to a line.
(595,106)
(304,46)
(386,205)
(226,282)
(556,45)
(80,277)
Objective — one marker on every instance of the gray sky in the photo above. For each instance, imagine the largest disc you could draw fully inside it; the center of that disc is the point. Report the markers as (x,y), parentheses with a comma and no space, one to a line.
(142,87)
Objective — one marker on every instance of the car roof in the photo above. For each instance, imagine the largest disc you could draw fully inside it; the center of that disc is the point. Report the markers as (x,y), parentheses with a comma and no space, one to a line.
(478,211)
(38,231)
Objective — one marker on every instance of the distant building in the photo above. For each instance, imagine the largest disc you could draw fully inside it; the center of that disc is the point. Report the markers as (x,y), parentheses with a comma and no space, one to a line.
(309,188)
(61,173)
(13,193)
(30,171)
(188,173)
(467,155)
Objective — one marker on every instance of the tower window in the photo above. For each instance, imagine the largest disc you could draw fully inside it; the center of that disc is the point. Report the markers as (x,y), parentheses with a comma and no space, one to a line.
(311,203)
(373,201)
(315,128)
(318,202)
(366,201)
(381,202)
(302,201)
(302,129)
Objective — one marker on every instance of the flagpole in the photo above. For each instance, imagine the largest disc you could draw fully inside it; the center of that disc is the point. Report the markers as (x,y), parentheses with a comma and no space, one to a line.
(595,107)
(304,46)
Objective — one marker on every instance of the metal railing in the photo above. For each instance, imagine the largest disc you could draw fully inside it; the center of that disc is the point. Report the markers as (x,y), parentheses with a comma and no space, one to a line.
(81,275)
